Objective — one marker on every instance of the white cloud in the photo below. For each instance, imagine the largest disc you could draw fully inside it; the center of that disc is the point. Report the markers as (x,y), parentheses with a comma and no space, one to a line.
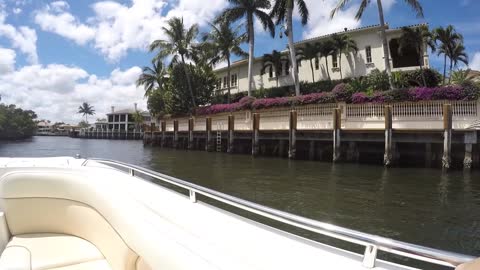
(24,38)
(475,62)
(387,4)
(7,60)
(320,22)
(16,11)
(116,28)
(54,18)
(54,92)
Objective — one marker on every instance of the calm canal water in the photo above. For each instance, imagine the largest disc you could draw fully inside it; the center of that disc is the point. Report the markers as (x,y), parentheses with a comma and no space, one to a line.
(421,206)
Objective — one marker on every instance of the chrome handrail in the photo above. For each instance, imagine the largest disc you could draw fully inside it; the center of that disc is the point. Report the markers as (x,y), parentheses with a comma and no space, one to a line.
(372,243)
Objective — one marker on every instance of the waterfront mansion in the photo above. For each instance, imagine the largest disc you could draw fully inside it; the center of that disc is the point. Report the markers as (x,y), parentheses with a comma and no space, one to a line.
(369,57)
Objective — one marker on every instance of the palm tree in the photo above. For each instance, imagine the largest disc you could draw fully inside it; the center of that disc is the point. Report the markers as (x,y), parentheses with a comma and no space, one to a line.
(138,120)
(282,11)
(86,110)
(309,52)
(179,43)
(416,38)
(343,44)
(249,9)
(326,48)
(447,37)
(275,62)
(225,41)
(152,78)
(457,55)
(414,4)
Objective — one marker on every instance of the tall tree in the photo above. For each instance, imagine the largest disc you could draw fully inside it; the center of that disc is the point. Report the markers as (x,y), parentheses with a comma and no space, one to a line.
(457,55)
(326,48)
(414,4)
(86,110)
(343,44)
(447,37)
(282,11)
(152,78)
(249,9)
(309,52)
(179,43)
(275,62)
(416,38)
(225,42)
(138,120)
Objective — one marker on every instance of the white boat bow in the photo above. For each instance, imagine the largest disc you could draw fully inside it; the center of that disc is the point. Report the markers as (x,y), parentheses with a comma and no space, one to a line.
(78,214)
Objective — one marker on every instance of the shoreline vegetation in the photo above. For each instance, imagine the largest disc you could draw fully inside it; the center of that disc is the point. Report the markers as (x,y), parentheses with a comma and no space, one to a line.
(15,123)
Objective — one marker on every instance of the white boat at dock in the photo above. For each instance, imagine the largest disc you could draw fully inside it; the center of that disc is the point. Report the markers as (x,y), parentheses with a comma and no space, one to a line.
(89,214)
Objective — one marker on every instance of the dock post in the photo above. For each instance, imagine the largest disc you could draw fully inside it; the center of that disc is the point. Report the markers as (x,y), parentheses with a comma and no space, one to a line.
(175,133)
(311,150)
(337,126)
(231,133)
(352,152)
(292,139)
(447,135)
(428,155)
(388,156)
(255,133)
(190,134)
(152,130)
(164,130)
(470,139)
(208,142)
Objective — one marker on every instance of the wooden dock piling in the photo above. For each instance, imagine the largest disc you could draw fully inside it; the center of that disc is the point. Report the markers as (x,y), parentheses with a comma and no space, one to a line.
(388,156)
(175,134)
(292,133)
(255,134)
(190,133)
(337,126)
(447,135)
(208,141)
(164,130)
(231,133)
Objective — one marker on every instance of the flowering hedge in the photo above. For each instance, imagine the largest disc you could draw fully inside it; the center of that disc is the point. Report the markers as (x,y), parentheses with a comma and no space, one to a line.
(341,94)
(452,92)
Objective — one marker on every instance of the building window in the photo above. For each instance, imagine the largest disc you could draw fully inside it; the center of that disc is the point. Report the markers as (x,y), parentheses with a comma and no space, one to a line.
(225,82)
(234,80)
(219,84)
(287,68)
(122,118)
(317,63)
(335,60)
(270,72)
(368,52)
(299,63)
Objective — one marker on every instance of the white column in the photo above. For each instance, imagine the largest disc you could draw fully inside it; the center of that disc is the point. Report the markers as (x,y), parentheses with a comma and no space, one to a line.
(126,122)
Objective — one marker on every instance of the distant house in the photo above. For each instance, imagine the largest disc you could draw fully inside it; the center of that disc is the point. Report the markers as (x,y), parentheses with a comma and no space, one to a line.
(44,128)
(123,120)
(101,124)
(370,56)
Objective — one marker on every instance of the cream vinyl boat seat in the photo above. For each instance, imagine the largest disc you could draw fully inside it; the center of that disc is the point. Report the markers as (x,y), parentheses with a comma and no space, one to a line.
(60,221)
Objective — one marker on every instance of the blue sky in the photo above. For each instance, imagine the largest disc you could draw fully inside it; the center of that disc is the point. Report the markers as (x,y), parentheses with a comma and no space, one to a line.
(56,54)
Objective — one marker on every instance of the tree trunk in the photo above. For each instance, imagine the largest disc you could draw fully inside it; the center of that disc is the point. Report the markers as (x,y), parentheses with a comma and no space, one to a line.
(340,65)
(291,47)
(386,54)
(444,68)
(189,82)
(423,74)
(451,68)
(326,66)
(251,41)
(229,79)
(313,72)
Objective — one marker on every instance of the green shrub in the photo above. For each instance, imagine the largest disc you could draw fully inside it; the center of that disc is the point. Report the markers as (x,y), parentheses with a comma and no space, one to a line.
(377,80)
(414,77)
(358,85)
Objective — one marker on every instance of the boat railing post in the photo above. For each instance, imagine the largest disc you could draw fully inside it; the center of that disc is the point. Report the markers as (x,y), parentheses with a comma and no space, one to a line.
(131,172)
(370,256)
(193,196)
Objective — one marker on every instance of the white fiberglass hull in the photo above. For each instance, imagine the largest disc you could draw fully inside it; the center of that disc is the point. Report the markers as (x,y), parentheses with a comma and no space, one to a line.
(61,215)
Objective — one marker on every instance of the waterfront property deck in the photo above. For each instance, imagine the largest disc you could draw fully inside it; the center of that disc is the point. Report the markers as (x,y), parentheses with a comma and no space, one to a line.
(339,130)
(109,134)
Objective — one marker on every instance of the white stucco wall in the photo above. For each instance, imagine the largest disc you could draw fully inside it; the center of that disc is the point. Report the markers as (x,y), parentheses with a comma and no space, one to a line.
(353,65)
